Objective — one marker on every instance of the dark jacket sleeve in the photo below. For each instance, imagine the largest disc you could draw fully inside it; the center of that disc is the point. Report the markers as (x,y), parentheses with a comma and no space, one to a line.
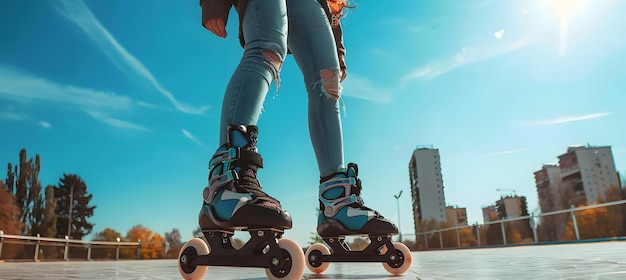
(215,9)
(341,49)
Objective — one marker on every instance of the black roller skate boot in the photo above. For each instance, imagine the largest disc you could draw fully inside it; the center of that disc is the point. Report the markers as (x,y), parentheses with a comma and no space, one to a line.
(234,200)
(343,213)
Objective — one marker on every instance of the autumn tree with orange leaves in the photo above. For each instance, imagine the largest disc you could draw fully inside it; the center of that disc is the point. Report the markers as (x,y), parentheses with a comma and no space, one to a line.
(151,242)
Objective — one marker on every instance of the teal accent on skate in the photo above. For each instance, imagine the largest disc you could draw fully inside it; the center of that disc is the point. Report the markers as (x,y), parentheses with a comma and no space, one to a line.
(354,223)
(225,208)
(238,139)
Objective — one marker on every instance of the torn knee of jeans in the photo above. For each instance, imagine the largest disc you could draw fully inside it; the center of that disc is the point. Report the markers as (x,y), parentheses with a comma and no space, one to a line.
(274,64)
(330,79)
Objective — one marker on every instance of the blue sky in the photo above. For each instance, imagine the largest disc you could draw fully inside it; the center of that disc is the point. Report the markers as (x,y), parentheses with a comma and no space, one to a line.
(127,94)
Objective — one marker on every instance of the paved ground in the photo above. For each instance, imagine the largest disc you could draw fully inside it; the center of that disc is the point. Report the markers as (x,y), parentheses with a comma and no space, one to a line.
(606,260)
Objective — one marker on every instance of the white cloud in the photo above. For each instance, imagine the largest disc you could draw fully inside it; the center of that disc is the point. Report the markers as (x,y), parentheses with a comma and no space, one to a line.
(45,124)
(568,119)
(360,87)
(11,116)
(505,152)
(193,138)
(14,85)
(464,57)
(77,12)
(116,122)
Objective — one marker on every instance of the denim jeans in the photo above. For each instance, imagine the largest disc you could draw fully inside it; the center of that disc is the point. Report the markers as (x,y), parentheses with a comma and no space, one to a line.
(302,26)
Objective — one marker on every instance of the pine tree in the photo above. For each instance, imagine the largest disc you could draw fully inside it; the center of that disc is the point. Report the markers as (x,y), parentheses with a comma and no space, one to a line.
(72,193)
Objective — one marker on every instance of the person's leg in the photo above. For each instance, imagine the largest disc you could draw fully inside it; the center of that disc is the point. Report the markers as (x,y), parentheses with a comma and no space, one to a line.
(265,32)
(234,198)
(312,43)
(313,46)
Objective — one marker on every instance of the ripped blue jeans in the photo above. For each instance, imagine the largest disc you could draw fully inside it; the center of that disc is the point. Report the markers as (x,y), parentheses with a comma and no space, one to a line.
(269,27)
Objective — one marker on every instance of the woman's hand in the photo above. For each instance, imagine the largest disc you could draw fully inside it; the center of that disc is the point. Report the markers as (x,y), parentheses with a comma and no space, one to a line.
(217,26)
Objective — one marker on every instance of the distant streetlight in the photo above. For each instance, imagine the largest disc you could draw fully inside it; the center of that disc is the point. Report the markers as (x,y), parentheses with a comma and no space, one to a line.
(398,204)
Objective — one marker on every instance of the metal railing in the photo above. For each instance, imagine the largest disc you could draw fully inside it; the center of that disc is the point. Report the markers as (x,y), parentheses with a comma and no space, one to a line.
(556,227)
(36,248)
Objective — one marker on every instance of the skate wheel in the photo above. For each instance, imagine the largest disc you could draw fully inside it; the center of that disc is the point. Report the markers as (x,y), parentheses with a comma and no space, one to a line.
(313,256)
(402,260)
(293,257)
(194,247)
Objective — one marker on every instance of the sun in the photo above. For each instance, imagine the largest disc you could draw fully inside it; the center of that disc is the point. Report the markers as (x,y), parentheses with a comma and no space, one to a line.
(565,10)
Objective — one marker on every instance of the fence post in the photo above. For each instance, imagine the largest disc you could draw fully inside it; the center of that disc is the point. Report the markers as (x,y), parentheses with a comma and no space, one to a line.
(89,250)
(478,233)
(117,250)
(533,226)
(575,223)
(1,241)
(440,240)
(139,249)
(66,254)
(503,232)
(165,247)
(37,248)
(426,240)
(458,238)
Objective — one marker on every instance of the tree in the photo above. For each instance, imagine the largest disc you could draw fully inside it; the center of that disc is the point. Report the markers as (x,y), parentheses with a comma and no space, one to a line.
(27,188)
(10,180)
(9,212)
(315,238)
(72,194)
(109,234)
(20,186)
(359,244)
(173,238)
(44,215)
(9,221)
(197,233)
(593,223)
(151,242)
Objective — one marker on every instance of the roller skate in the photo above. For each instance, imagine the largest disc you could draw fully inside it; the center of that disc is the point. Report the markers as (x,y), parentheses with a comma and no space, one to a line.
(342,213)
(234,200)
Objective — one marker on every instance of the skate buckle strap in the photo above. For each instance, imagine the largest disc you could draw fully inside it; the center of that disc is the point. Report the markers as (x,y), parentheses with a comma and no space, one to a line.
(331,208)
(224,158)
(216,183)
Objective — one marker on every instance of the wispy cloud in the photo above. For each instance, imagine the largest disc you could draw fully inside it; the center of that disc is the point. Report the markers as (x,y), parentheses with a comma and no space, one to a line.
(45,124)
(568,119)
(77,12)
(193,138)
(360,87)
(462,58)
(505,152)
(14,85)
(117,122)
(11,116)
(22,87)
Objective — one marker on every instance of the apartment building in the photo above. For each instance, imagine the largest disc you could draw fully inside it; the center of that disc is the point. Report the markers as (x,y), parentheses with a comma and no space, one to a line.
(588,172)
(457,216)
(548,182)
(427,189)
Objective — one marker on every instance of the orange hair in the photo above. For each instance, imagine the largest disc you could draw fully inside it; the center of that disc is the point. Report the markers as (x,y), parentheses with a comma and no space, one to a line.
(337,5)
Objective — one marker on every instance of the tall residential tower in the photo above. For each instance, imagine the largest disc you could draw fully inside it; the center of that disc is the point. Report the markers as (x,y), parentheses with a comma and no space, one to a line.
(427,186)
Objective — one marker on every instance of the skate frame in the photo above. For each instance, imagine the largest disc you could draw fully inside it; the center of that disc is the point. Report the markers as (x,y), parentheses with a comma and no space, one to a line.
(260,251)
(380,249)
